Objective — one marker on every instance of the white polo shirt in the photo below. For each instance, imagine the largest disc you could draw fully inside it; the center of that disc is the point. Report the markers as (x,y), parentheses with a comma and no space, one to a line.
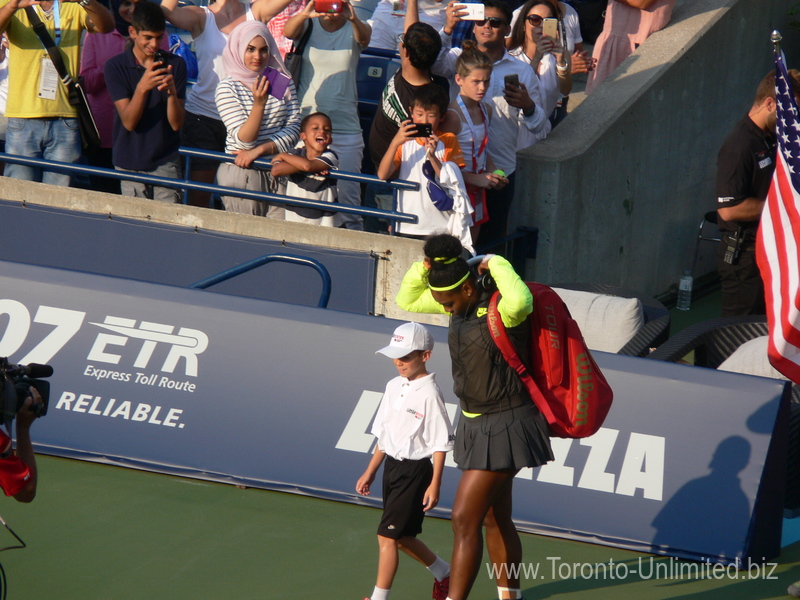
(412,423)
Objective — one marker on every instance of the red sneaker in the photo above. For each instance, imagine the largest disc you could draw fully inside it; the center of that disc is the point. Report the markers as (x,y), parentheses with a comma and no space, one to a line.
(441,588)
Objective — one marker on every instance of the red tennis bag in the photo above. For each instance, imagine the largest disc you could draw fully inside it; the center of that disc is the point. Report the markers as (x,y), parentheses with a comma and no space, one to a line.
(563,380)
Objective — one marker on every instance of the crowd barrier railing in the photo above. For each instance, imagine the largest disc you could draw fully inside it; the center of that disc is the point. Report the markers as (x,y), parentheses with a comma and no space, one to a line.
(186,184)
(324,296)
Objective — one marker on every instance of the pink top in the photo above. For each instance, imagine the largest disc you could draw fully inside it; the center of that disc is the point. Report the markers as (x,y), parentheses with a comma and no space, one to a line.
(97,49)
(624,30)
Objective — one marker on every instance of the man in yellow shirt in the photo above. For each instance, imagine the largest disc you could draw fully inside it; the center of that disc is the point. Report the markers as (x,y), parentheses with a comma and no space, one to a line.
(41,121)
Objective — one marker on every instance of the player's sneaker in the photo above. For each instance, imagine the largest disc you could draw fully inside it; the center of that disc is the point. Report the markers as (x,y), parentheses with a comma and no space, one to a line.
(441,588)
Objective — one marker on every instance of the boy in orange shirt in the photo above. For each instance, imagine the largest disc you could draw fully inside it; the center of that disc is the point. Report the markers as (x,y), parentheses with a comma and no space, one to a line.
(420,152)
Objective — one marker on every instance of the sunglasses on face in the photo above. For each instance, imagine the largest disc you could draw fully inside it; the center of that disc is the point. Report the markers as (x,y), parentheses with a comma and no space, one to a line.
(494,22)
(534,20)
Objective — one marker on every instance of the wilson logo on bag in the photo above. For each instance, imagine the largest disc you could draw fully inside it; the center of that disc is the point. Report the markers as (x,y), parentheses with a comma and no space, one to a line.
(563,380)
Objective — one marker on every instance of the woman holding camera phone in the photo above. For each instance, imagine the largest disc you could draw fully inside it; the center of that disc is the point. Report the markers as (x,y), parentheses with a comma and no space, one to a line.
(210,27)
(328,84)
(542,50)
(260,121)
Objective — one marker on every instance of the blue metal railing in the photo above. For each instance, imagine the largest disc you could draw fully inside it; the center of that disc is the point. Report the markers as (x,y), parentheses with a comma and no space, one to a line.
(266,165)
(268,258)
(185,184)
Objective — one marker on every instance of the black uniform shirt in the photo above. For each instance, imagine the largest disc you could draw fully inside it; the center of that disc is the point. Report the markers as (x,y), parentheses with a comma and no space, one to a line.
(745,166)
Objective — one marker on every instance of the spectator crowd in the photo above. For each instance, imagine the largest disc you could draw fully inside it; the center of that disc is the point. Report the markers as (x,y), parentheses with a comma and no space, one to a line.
(476,83)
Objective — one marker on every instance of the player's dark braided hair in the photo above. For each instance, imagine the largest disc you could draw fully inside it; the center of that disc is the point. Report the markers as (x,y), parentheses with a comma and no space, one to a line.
(448,270)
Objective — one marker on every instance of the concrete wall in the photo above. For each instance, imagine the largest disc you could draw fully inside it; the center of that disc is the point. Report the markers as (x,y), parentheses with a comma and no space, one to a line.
(395,255)
(618,189)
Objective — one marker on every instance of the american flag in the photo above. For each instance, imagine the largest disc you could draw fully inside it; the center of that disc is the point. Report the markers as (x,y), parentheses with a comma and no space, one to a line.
(779,235)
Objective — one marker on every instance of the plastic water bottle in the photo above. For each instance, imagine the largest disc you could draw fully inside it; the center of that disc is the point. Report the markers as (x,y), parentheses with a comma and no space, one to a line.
(685,291)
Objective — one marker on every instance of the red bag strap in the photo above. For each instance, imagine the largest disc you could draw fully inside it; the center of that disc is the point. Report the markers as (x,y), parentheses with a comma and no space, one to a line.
(556,355)
(497,330)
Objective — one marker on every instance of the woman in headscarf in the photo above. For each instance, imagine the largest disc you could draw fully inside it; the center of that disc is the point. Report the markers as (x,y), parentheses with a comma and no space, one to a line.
(545,54)
(210,27)
(97,49)
(261,118)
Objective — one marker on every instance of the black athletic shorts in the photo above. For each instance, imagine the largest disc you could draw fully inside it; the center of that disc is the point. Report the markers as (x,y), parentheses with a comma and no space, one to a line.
(404,485)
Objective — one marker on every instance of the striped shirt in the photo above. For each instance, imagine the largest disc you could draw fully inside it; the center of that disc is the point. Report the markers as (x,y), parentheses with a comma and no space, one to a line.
(281,123)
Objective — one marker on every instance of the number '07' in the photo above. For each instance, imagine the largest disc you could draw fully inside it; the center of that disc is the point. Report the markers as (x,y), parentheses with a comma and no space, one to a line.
(66,322)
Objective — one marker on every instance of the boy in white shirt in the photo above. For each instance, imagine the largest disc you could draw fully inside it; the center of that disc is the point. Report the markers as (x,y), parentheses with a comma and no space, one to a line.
(412,427)
(434,160)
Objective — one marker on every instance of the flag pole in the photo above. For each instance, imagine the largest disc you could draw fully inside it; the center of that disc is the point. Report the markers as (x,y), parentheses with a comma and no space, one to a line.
(776,40)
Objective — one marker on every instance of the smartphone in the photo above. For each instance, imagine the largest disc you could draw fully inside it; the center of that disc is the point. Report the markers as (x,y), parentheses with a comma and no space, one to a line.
(422,130)
(278,82)
(511,80)
(161,57)
(550,27)
(328,6)
(475,11)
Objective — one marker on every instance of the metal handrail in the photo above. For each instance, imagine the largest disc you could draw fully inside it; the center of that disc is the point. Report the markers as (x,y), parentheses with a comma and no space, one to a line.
(267,258)
(58,166)
(265,164)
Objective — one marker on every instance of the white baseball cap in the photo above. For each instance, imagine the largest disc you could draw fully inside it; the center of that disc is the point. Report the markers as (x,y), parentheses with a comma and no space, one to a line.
(406,339)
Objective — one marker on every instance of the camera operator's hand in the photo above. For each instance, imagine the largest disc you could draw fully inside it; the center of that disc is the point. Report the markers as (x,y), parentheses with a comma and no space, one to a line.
(25,417)
(27,414)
